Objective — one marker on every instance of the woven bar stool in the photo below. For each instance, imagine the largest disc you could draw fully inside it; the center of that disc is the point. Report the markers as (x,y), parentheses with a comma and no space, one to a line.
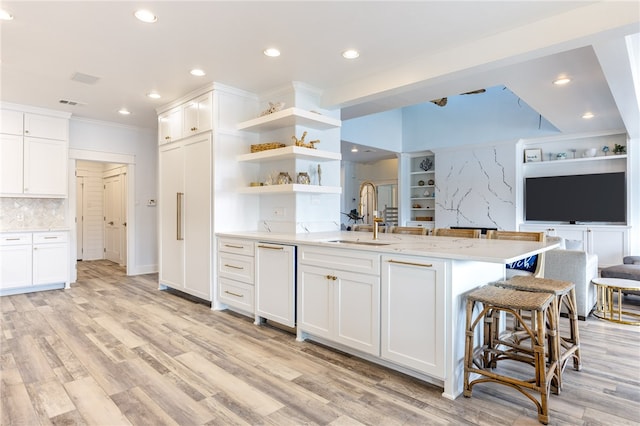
(498,344)
(568,344)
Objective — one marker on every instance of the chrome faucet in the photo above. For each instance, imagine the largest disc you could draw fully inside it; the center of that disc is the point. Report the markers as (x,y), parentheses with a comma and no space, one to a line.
(376,222)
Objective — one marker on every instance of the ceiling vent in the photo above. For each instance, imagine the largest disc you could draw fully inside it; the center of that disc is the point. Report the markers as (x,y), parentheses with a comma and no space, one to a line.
(70,102)
(85,78)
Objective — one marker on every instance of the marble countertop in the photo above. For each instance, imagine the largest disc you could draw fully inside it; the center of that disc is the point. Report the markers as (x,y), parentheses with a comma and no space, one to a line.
(493,251)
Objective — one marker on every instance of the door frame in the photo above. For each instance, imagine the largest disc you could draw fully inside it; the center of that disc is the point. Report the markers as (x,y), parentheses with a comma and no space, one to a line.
(103,157)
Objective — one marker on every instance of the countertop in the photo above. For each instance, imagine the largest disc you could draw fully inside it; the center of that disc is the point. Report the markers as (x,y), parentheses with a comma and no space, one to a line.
(483,250)
(19,230)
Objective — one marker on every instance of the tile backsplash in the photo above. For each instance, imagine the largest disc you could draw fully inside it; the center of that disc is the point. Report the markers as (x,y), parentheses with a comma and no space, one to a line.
(32,213)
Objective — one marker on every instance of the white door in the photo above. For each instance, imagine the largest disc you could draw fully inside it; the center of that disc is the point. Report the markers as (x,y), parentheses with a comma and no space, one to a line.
(79,217)
(112,218)
(171,220)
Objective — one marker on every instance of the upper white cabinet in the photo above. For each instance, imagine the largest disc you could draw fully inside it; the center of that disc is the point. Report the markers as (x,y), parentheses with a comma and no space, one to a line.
(34,155)
(187,119)
(170,126)
(196,115)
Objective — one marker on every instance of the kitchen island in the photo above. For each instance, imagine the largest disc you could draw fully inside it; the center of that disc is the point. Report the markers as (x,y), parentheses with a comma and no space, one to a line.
(398,301)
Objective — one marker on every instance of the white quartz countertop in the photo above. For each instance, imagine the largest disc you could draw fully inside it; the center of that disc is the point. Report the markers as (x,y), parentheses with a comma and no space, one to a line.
(493,251)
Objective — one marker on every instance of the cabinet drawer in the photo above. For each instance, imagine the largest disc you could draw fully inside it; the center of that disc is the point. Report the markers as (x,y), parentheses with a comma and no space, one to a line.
(340,259)
(236,294)
(230,245)
(15,239)
(50,237)
(236,267)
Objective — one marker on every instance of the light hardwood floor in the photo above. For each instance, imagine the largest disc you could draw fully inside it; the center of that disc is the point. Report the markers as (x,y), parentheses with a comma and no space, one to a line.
(115,350)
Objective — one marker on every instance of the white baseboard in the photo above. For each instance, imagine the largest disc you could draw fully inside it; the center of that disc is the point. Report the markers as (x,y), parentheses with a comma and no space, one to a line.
(143,269)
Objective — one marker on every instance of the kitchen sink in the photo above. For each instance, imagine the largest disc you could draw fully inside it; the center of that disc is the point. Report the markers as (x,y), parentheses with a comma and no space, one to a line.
(362,243)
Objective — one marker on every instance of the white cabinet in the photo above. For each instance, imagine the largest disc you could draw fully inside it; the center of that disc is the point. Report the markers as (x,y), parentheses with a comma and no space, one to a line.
(185,216)
(31,261)
(170,126)
(50,258)
(275,283)
(33,155)
(197,115)
(413,313)
(15,260)
(339,297)
(609,243)
(236,274)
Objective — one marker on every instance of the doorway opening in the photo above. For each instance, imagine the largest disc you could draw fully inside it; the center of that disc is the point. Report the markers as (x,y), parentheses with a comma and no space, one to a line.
(101,211)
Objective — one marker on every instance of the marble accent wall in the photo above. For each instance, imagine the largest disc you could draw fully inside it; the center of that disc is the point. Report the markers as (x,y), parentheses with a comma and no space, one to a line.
(476,187)
(32,213)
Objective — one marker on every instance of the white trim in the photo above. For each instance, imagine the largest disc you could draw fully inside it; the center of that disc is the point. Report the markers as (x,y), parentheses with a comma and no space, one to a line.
(100,156)
(34,110)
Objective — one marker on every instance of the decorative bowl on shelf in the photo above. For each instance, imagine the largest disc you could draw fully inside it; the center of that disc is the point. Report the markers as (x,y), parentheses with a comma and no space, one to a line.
(591,152)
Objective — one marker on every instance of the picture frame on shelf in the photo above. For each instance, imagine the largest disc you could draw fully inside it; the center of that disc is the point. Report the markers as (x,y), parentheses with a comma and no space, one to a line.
(532,155)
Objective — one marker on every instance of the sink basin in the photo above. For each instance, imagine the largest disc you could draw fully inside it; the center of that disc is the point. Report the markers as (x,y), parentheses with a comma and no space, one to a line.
(361,243)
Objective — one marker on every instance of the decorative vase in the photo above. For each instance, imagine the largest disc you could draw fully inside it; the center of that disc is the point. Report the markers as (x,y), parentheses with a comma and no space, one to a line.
(284,178)
(303,178)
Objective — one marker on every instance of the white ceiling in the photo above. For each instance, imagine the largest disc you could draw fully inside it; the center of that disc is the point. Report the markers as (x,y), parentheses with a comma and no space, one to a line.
(411,52)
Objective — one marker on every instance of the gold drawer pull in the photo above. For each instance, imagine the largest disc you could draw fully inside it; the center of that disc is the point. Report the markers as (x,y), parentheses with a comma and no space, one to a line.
(233,266)
(232,246)
(429,265)
(271,248)
(50,238)
(234,294)
(12,239)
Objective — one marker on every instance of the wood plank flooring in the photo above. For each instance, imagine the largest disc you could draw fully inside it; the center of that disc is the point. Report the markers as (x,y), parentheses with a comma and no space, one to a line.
(114,350)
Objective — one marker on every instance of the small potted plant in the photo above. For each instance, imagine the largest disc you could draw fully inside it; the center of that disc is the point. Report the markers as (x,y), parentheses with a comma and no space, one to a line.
(619,149)
(605,149)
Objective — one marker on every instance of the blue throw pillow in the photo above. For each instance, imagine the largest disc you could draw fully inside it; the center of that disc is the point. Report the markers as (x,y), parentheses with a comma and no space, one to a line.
(527,264)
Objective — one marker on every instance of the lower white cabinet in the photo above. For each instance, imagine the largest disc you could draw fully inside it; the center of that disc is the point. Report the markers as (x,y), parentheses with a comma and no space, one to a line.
(236,274)
(413,313)
(609,243)
(15,260)
(275,284)
(34,259)
(339,297)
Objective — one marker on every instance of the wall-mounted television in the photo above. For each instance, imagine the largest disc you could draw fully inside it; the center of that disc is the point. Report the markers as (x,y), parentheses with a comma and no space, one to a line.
(599,197)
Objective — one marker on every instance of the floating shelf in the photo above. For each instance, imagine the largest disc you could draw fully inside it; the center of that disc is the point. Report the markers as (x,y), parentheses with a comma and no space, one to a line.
(422,172)
(290,117)
(290,188)
(289,153)
(577,160)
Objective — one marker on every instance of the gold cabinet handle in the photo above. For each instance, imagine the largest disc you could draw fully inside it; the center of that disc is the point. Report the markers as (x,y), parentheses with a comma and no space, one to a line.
(166,138)
(271,248)
(233,266)
(193,129)
(234,294)
(179,197)
(399,262)
(232,246)
(332,277)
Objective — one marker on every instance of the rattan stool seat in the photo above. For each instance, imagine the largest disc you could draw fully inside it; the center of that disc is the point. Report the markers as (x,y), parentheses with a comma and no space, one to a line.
(541,285)
(511,298)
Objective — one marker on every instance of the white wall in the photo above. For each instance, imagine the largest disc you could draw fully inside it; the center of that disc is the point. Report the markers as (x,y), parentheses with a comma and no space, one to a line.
(382,130)
(110,138)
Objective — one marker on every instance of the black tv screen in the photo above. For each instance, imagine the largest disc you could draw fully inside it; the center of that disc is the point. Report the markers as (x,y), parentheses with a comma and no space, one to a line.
(597,197)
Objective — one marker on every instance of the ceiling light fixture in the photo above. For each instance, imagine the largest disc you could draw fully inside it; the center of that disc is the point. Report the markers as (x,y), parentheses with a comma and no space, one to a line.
(5,16)
(350,54)
(146,16)
(197,72)
(588,115)
(354,149)
(562,81)
(272,52)
(124,111)
(153,95)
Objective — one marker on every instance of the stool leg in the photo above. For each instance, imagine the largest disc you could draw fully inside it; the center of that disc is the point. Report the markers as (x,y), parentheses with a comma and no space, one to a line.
(540,366)
(468,348)
(572,308)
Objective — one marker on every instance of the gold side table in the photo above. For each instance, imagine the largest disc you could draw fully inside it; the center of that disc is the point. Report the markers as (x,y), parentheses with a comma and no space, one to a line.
(609,307)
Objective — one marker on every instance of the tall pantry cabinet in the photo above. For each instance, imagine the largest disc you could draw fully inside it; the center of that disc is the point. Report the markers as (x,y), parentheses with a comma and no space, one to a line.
(196,191)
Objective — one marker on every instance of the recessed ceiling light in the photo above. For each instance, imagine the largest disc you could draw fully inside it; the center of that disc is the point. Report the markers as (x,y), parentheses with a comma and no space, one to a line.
(153,95)
(350,54)
(562,81)
(588,115)
(197,72)
(354,149)
(146,16)
(272,52)
(124,111)
(5,16)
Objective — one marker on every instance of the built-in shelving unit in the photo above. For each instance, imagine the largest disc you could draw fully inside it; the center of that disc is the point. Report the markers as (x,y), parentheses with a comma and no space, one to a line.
(290,189)
(611,157)
(422,190)
(290,117)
